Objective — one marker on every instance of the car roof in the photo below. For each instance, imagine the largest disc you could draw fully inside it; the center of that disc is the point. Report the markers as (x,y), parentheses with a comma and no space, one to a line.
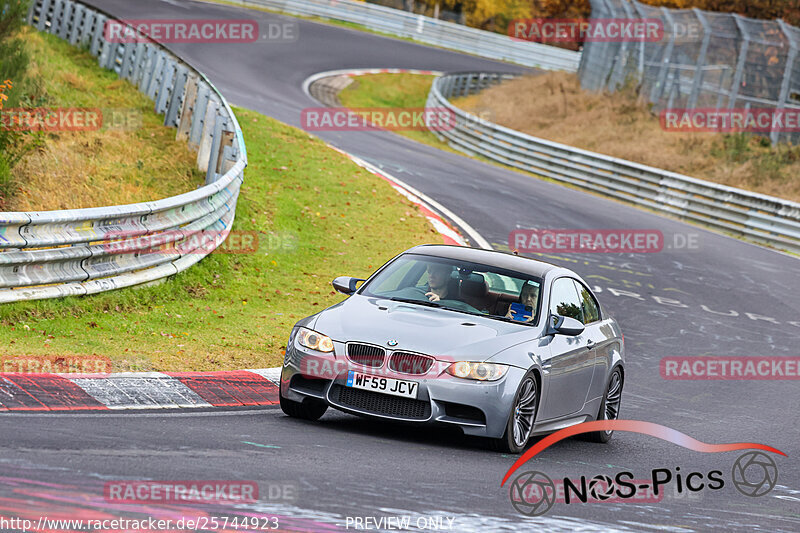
(506,260)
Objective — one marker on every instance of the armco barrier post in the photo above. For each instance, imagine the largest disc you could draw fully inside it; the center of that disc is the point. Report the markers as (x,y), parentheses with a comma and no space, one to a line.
(127,58)
(87,31)
(77,22)
(214,152)
(199,112)
(206,137)
(149,69)
(43,13)
(56,21)
(32,11)
(187,110)
(167,81)
(155,75)
(171,116)
(98,37)
(105,52)
(63,30)
(140,59)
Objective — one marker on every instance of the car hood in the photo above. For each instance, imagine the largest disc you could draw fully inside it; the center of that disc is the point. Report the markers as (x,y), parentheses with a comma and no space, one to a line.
(438,332)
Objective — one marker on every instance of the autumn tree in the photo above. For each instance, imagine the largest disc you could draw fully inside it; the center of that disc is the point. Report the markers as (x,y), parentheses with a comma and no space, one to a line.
(789,10)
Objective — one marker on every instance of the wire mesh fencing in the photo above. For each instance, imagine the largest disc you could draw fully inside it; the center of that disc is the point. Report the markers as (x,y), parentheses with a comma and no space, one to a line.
(735,73)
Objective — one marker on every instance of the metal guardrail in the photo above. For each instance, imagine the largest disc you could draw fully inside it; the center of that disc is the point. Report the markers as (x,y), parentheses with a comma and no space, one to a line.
(52,254)
(757,217)
(430,31)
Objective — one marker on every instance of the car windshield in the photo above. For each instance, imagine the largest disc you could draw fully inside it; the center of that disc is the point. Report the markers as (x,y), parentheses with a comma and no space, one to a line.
(462,286)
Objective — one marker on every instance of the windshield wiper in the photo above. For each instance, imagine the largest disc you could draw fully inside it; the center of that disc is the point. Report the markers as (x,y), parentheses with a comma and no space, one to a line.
(418,302)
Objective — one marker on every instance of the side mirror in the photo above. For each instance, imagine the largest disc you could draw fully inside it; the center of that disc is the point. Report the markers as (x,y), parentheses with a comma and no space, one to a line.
(346,284)
(564,325)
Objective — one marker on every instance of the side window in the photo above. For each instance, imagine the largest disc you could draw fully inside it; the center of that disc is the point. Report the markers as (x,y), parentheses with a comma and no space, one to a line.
(591,310)
(564,299)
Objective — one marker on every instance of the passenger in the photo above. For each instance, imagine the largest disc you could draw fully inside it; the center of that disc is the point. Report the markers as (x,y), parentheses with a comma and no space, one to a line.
(439,276)
(528,297)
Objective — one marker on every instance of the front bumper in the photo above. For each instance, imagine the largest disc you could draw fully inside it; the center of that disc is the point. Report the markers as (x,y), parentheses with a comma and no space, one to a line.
(478,408)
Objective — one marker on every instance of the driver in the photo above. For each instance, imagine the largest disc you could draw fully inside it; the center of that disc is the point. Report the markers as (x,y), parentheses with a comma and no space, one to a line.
(438,280)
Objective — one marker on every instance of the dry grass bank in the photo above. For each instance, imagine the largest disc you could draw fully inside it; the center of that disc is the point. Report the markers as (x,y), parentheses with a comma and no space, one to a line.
(140,161)
(552,106)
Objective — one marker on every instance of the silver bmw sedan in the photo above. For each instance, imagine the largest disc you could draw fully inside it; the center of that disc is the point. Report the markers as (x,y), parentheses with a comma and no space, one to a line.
(499,345)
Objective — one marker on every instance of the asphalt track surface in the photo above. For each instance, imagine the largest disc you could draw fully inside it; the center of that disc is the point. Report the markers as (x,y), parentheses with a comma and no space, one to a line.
(734,299)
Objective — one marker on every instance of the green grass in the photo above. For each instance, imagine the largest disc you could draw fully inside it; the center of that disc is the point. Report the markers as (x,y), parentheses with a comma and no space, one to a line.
(317,215)
(404,90)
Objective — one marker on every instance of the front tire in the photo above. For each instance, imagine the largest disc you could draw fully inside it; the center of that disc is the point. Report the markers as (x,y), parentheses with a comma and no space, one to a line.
(521,419)
(308,409)
(609,408)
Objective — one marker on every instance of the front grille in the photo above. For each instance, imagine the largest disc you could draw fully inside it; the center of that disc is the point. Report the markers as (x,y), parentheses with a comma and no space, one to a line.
(410,363)
(380,404)
(366,354)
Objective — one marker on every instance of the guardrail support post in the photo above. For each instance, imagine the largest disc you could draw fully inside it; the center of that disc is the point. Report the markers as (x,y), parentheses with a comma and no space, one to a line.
(98,39)
(77,23)
(63,30)
(31,12)
(167,86)
(171,116)
(206,137)
(139,60)
(148,69)
(214,154)
(199,113)
(187,110)
(58,19)
(126,70)
(42,25)
(156,71)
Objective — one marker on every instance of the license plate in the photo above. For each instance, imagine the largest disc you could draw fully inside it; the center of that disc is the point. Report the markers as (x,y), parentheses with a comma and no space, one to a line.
(395,387)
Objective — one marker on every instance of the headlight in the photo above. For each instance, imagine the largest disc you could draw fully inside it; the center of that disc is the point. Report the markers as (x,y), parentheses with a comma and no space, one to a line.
(479,371)
(314,341)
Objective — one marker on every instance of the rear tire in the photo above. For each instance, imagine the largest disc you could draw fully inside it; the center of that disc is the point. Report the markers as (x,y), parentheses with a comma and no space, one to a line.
(520,419)
(609,408)
(308,409)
